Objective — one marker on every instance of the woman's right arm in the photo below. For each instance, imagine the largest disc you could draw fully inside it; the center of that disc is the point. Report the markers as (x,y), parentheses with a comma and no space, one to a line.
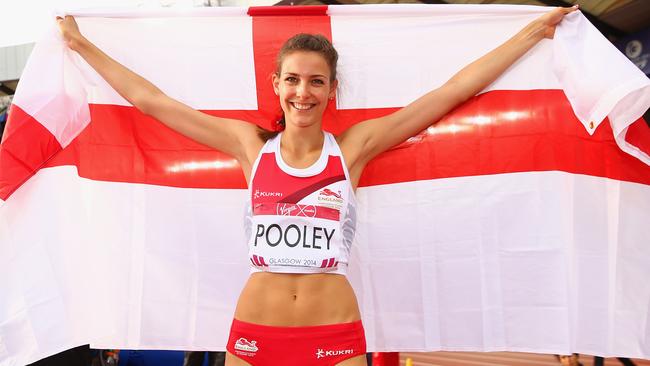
(234,137)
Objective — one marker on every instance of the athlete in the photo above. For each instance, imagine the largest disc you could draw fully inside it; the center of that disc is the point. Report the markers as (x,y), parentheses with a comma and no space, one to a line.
(297,307)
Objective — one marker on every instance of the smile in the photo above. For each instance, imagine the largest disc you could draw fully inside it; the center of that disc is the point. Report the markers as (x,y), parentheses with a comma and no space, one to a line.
(302,106)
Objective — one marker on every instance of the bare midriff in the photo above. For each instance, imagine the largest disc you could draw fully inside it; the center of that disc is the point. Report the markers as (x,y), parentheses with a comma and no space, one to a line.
(281,299)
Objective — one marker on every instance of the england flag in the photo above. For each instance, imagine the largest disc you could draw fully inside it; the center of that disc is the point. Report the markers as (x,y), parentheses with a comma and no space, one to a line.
(520,221)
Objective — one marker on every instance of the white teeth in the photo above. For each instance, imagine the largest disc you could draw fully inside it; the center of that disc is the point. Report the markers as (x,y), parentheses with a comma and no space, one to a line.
(302,106)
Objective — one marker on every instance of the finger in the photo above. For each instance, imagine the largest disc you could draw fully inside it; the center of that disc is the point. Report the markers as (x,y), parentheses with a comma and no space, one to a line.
(571,9)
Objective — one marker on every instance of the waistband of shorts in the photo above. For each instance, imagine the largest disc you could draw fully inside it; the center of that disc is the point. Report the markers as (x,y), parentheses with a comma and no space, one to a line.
(245,326)
(341,269)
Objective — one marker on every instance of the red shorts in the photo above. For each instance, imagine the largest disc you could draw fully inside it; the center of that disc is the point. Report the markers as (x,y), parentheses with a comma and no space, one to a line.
(263,345)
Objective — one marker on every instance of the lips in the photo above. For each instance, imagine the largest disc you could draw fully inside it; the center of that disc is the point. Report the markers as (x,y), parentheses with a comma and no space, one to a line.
(302,106)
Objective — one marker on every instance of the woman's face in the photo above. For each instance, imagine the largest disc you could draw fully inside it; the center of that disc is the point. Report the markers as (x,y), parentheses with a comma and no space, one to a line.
(304,88)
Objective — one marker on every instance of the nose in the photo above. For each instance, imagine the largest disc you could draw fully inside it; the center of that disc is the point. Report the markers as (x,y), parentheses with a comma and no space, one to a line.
(302,89)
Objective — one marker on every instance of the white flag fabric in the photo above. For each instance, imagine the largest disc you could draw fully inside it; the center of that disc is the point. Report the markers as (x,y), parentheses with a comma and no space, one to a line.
(518,222)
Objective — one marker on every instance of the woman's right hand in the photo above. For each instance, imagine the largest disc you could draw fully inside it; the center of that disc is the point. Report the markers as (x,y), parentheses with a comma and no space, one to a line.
(70,31)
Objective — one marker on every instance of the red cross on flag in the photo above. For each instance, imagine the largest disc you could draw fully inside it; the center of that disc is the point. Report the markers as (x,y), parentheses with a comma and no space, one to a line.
(517,222)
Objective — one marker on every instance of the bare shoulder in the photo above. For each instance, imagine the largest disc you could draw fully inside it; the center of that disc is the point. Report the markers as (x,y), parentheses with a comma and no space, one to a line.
(251,143)
(351,146)
(343,140)
(354,142)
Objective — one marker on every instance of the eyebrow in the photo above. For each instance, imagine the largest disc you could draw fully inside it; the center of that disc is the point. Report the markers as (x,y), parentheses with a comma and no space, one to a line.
(294,74)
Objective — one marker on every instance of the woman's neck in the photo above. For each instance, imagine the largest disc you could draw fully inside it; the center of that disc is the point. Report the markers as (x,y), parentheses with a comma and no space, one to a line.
(302,141)
(301,149)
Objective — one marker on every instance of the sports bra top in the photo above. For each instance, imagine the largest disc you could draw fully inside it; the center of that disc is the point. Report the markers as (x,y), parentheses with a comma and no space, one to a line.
(300,220)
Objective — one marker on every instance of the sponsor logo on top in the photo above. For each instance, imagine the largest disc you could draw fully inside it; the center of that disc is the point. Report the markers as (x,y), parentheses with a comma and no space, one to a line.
(329,198)
(260,194)
(244,344)
(328,193)
(321,353)
(290,209)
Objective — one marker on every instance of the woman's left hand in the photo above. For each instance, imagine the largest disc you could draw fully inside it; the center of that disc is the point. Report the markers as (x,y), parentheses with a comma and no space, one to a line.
(551,19)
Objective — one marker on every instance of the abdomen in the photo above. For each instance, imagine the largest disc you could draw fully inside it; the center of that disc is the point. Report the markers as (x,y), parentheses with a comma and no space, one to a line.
(281,299)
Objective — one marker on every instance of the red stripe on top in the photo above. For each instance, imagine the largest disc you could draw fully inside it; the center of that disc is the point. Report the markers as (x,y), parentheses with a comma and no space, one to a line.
(26,146)
(272,184)
(638,134)
(287,10)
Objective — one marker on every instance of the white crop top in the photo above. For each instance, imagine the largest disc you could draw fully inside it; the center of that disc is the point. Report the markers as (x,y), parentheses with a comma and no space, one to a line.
(300,220)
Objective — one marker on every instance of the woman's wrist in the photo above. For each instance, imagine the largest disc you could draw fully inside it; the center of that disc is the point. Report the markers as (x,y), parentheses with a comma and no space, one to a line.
(535,31)
(78,43)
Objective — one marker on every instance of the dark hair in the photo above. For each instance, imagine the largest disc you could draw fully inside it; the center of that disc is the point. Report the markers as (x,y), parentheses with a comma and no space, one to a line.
(303,42)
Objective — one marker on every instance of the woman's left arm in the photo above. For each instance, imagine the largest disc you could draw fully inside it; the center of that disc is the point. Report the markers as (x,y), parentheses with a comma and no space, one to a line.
(367,139)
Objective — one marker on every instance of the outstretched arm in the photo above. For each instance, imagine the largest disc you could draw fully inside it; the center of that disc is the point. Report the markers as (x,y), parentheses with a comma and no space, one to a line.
(367,139)
(234,137)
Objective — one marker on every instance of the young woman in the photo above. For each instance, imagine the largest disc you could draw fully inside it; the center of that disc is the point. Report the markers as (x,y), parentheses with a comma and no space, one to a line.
(297,307)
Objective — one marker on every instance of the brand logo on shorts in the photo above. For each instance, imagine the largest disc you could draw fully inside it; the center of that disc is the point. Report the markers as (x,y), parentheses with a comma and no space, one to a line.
(243,344)
(321,353)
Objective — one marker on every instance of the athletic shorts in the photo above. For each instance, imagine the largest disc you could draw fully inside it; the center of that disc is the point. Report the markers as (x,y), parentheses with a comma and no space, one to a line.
(320,345)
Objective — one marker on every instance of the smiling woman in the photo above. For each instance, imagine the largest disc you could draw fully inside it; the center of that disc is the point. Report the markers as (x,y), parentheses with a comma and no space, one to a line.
(305,78)
(301,208)
(304,87)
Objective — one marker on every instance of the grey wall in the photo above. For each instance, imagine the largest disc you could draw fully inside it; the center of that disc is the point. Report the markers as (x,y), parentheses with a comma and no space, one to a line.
(12,61)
